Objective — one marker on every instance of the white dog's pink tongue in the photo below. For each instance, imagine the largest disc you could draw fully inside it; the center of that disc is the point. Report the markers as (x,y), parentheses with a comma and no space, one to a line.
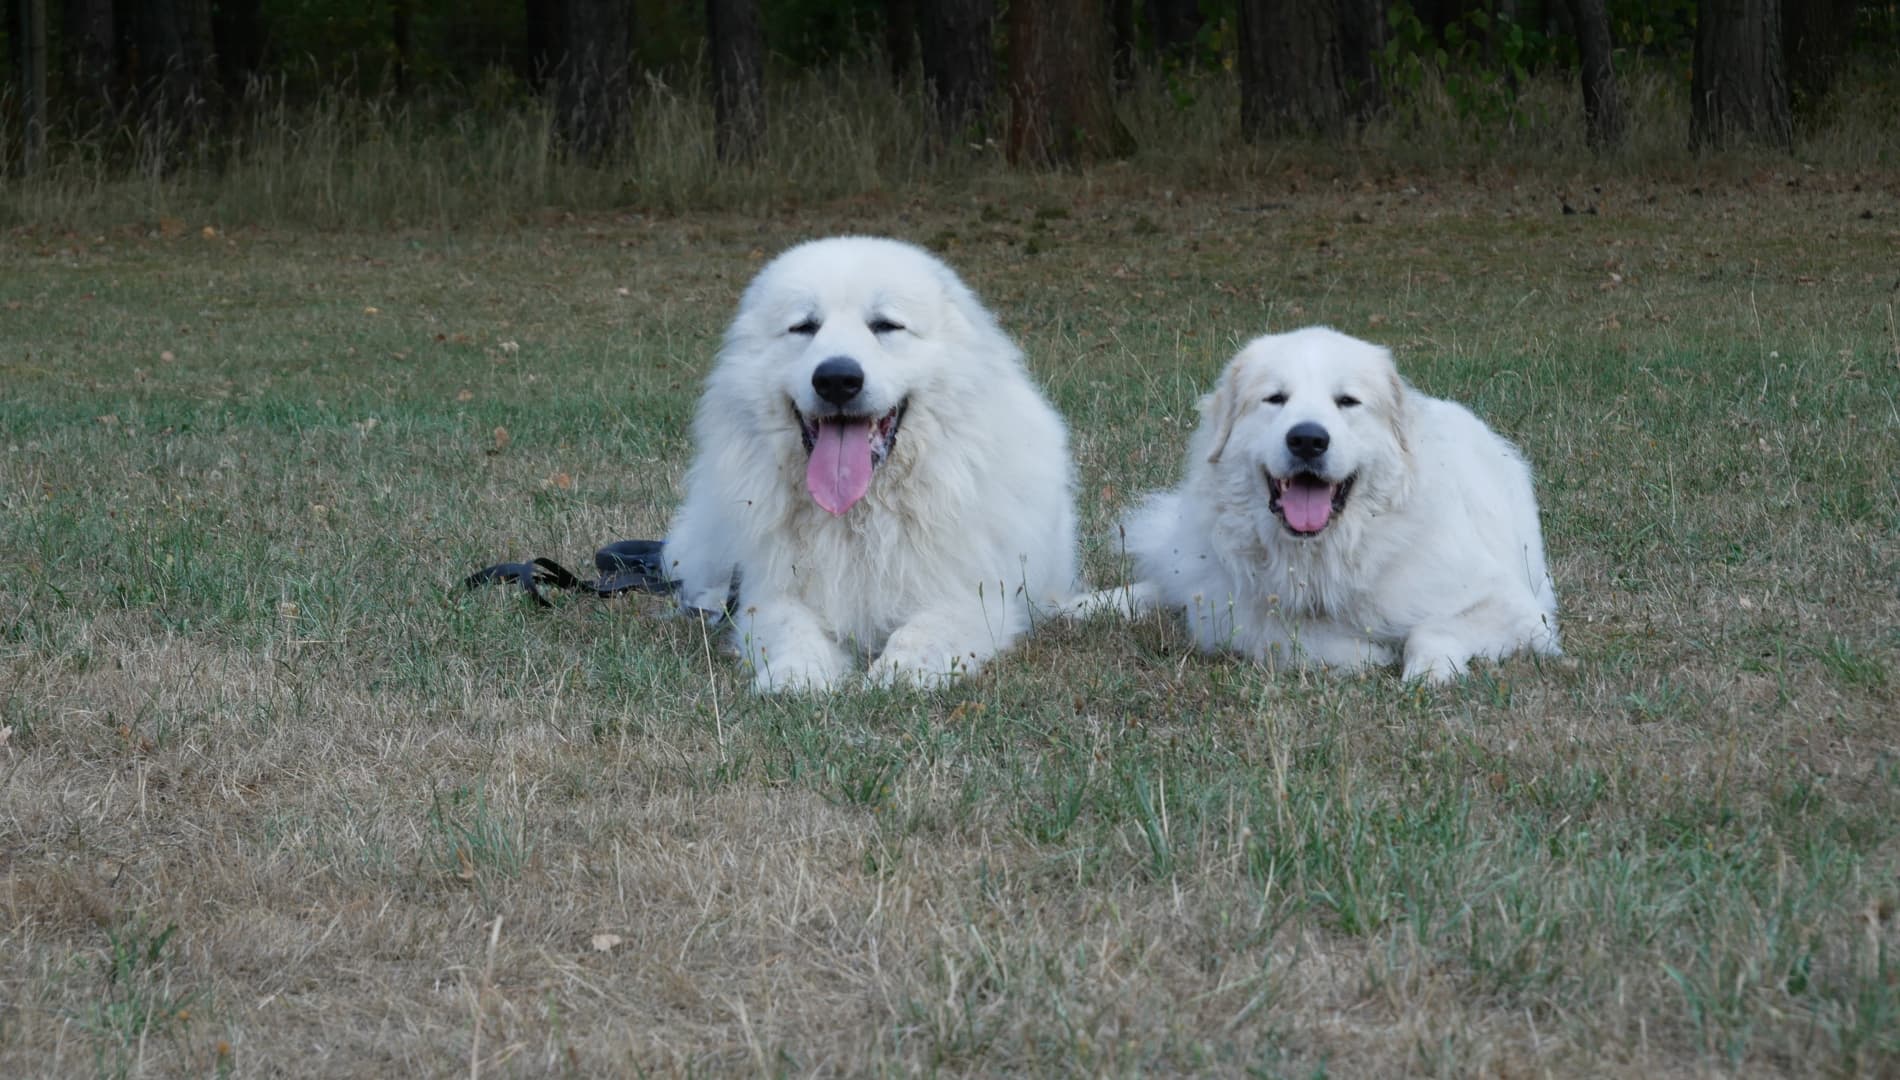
(1307,506)
(839,472)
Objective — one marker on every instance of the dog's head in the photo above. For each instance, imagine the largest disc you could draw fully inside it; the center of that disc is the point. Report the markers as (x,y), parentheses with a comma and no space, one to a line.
(1316,419)
(845,335)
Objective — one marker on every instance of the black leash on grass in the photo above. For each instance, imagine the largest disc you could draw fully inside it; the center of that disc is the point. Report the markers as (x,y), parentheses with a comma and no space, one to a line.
(624,566)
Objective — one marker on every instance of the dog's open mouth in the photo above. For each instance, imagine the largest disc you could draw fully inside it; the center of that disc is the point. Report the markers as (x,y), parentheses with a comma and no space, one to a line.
(1305,501)
(843,452)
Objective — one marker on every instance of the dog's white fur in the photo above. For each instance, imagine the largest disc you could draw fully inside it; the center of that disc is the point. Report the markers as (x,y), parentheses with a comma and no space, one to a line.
(968,522)
(1435,558)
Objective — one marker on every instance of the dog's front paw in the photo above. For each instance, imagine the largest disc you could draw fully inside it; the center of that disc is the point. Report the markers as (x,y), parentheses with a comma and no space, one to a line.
(1436,669)
(920,665)
(796,672)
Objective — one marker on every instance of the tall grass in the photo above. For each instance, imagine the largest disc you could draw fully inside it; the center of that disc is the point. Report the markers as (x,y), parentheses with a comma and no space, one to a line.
(354,160)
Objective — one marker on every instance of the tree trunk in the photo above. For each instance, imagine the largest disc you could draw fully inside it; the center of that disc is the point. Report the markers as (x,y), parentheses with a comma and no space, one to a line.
(1308,66)
(542,43)
(1362,38)
(1737,87)
(900,37)
(738,66)
(29,41)
(591,74)
(1172,27)
(1816,35)
(237,37)
(959,60)
(1602,107)
(1121,22)
(91,55)
(1061,97)
(174,75)
(402,41)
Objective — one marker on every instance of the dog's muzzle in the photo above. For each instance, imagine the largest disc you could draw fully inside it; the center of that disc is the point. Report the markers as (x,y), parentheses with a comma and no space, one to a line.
(1306,502)
(844,447)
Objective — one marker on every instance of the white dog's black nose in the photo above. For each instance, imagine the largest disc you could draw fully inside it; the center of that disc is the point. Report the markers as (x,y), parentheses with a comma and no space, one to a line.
(838,379)
(1307,440)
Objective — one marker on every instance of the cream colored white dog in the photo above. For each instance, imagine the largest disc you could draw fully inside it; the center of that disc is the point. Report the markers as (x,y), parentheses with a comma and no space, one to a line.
(1331,514)
(874,463)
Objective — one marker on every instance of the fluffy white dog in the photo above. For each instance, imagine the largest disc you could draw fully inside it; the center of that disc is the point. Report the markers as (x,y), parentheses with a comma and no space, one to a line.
(875,465)
(1331,514)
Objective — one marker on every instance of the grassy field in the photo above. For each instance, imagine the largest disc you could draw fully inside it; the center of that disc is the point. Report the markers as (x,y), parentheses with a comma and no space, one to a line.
(275,799)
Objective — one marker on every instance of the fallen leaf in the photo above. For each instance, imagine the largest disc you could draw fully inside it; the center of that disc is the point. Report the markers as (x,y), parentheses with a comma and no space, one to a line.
(109,419)
(210,232)
(966,709)
(561,480)
(372,311)
(465,395)
(602,942)
(167,357)
(501,440)
(510,347)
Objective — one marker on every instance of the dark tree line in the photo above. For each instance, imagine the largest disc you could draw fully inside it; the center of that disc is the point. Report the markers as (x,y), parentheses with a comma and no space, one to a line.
(1044,78)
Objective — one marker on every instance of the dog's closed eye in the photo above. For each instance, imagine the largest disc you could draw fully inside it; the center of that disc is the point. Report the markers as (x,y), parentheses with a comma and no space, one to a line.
(885,326)
(806,328)
(1345,401)
(1275,399)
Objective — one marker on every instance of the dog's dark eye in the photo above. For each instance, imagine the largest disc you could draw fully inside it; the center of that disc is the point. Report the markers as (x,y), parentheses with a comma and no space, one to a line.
(805,329)
(885,326)
(1345,401)
(1275,399)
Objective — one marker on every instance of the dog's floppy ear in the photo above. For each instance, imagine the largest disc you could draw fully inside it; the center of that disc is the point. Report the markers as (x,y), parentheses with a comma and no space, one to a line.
(1401,417)
(1224,409)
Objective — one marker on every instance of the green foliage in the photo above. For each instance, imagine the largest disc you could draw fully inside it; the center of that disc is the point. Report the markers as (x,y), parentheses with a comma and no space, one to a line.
(819,33)
(312,45)
(1481,62)
(1654,27)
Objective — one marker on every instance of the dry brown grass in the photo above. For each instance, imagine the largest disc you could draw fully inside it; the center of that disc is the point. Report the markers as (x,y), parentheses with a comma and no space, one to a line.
(381,821)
